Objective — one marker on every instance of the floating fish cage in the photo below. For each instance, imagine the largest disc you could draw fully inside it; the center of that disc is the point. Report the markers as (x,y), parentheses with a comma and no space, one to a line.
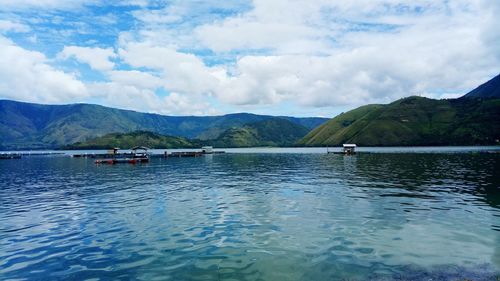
(139,154)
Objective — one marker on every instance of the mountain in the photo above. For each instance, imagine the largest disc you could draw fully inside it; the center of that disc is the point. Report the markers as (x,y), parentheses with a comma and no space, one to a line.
(490,89)
(270,132)
(35,126)
(137,138)
(413,121)
(473,119)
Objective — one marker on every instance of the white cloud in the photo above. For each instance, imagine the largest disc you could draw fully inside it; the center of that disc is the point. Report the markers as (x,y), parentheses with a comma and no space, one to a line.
(180,72)
(305,53)
(241,33)
(168,14)
(26,75)
(96,58)
(370,51)
(143,99)
(136,78)
(9,26)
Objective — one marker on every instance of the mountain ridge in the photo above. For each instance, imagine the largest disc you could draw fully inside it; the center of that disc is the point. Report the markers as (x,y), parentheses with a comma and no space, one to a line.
(413,121)
(131,139)
(35,126)
(473,119)
(490,89)
(271,132)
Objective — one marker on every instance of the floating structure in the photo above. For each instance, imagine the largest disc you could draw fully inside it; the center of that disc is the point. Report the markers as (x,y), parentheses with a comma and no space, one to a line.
(210,150)
(347,149)
(207,150)
(139,154)
(19,155)
(185,154)
(5,156)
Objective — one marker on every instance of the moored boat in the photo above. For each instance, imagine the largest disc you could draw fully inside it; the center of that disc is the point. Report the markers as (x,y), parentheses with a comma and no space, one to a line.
(139,154)
(347,149)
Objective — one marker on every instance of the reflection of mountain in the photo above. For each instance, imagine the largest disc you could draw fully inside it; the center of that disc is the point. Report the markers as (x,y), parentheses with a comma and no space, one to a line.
(416,175)
(244,216)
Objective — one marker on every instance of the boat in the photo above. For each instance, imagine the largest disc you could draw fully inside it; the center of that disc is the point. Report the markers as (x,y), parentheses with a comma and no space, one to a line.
(347,149)
(139,154)
(207,150)
(210,150)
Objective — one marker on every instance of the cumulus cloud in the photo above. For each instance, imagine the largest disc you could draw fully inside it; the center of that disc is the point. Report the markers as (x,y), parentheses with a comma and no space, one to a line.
(134,97)
(180,72)
(330,53)
(27,75)
(96,58)
(136,79)
(181,56)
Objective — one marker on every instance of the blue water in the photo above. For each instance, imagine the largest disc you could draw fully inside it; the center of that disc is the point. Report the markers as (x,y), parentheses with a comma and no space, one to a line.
(261,214)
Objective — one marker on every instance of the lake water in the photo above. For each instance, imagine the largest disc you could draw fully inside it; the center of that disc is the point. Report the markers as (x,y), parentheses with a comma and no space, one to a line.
(254,214)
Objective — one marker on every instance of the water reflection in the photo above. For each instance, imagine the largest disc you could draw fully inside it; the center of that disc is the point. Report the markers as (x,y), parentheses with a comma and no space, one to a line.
(253,217)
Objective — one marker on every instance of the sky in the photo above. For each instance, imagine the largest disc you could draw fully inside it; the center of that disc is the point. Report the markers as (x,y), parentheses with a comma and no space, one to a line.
(276,57)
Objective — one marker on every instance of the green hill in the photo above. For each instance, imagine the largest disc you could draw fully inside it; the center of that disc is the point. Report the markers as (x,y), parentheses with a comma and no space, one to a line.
(473,119)
(35,126)
(271,132)
(138,138)
(413,121)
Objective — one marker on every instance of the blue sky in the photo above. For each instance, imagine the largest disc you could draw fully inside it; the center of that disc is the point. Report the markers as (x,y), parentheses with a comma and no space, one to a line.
(301,58)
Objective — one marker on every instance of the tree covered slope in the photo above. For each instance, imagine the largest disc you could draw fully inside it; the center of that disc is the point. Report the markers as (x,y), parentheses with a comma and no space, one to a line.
(32,126)
(413,121)
(129,140)
(271,132)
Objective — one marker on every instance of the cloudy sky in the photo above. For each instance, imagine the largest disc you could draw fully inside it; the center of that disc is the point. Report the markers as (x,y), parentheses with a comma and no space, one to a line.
(295,57)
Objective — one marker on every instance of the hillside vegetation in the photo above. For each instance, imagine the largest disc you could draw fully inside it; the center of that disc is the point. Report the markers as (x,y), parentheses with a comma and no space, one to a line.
(271,132)
(129,140)
(32,126)
(413,121)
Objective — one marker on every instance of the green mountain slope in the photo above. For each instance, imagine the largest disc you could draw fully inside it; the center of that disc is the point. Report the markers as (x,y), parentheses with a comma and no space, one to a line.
(271,132)
(413,121)
(334,130)
(128,140)
(26,125)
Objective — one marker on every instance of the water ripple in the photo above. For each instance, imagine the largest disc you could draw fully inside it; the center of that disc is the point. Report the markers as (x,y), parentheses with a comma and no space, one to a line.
(253,217)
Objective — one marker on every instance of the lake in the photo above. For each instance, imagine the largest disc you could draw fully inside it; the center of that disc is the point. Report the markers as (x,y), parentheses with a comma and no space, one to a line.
(255,214)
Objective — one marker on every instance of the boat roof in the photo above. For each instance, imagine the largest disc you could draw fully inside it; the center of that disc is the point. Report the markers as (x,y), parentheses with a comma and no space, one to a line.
(349,145)
(139,148)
